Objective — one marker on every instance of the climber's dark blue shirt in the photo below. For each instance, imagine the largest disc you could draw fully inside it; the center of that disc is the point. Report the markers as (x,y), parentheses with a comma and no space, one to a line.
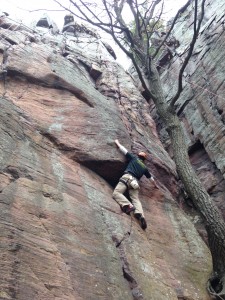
(136,166)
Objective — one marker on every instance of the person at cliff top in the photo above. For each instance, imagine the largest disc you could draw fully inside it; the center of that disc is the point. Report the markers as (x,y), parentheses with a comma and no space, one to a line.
(129,181)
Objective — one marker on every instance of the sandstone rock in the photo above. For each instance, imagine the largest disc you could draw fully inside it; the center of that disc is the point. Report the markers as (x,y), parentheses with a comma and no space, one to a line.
(60,227)
(46,22)
(203,117)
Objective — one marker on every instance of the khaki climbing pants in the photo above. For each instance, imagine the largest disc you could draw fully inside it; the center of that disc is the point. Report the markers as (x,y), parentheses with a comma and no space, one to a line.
(119,191)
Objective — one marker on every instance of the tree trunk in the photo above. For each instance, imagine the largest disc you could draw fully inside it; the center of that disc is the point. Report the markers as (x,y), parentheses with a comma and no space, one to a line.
(214,223)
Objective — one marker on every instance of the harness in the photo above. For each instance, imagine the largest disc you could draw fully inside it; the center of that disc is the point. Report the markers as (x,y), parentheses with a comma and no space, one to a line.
(125,181)
(131,182)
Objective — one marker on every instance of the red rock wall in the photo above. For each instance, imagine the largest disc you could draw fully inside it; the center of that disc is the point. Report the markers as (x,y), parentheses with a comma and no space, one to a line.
(62,107)
(203,81)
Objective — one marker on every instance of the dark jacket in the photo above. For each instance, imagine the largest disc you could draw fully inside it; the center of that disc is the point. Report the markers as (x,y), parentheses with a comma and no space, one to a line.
(136,166)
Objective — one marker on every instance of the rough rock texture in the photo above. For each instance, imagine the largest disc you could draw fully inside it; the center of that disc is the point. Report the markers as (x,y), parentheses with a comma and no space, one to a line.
(204,115)
(63,101)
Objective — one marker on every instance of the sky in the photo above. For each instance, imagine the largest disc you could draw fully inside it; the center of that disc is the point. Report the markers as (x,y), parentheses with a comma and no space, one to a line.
(20,9)
(31,10)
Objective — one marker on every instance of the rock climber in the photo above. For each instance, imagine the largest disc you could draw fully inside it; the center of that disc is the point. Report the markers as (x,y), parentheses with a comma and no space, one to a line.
(129,181)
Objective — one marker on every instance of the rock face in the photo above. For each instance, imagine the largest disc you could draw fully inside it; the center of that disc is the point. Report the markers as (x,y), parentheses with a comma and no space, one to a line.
(204,114)
(64,100)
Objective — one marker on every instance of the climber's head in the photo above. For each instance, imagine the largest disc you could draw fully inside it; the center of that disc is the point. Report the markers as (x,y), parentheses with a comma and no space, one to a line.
(142,155)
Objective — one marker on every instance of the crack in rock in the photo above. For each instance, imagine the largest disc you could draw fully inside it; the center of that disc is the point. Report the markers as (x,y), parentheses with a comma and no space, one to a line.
(127,273)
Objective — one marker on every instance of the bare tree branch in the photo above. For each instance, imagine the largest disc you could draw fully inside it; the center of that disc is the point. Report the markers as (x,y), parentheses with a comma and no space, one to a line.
(40,9)
(152,10)
(84,17)
(180,11)
(135,15)
(192,44)
(87,8)
(127,32)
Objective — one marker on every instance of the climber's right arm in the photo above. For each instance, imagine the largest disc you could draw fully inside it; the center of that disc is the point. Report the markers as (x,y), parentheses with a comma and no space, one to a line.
(121,148)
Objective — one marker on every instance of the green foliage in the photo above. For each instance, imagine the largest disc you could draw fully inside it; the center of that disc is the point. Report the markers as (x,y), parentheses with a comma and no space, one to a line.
(148,32)
(153,25)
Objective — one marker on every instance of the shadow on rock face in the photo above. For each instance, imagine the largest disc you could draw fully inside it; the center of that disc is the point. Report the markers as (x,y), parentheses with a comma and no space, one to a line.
(110,170)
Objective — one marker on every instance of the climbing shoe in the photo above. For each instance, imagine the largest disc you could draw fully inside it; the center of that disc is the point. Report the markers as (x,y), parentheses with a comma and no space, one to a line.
(137,216)
(143,223)
(128,208)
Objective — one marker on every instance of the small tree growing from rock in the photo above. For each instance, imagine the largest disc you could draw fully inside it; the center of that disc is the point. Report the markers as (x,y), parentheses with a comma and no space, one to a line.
(143,44)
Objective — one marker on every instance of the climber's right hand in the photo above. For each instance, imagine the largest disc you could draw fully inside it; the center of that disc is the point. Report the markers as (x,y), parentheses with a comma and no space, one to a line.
(117,143)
